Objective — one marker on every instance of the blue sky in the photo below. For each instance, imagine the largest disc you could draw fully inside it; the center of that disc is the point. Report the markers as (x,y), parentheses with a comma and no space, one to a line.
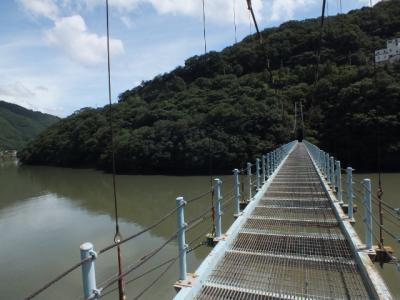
(52,52)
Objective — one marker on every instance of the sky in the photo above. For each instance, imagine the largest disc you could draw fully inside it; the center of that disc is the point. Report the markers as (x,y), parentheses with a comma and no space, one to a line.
(53,52)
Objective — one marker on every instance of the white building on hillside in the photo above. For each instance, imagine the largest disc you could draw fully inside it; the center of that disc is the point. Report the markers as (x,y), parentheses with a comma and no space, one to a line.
(390,53)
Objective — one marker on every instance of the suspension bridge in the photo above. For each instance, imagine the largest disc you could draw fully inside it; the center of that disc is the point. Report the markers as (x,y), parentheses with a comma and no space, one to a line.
(291,238)
(293,241)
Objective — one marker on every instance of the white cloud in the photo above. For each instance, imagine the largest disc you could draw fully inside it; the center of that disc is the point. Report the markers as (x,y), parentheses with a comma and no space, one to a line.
(15,90)
(128,22)
(217,11)
(71,34)
(368,2)
(285,10)
(25,94)
(89,49)
(41,8)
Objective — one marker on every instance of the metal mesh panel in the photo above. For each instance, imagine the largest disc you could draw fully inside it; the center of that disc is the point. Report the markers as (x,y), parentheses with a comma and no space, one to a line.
(290,247)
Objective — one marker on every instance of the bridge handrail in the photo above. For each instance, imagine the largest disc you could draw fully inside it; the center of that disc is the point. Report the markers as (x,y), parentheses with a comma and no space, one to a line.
(363,195)
(265,167)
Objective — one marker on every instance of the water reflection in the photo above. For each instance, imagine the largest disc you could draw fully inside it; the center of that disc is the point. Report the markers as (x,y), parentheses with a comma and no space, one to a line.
(45,213)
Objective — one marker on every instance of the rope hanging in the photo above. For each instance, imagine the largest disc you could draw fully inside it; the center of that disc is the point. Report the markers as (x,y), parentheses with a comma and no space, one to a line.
(117,236)
(210,158)
(234,19)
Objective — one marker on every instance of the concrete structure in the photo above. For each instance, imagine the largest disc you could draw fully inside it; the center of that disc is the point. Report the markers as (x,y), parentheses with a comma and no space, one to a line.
(390,53)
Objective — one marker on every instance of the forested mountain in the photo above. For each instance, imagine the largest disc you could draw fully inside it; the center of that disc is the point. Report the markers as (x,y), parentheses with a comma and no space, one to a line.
(228,107)
(19,125)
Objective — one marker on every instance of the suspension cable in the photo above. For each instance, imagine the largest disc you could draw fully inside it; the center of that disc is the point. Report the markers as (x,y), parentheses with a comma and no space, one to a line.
(117,236)
(144,274)
(138,263)
(250,8)
(210,149)
(204,27)
(234,19)
(320,42)
(111,246)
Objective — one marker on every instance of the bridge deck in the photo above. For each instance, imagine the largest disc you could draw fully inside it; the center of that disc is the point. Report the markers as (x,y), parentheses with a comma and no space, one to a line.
(290,246)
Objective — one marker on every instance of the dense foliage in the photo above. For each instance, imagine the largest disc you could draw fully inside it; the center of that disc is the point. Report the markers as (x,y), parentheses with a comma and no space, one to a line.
(19,125)
(228,107)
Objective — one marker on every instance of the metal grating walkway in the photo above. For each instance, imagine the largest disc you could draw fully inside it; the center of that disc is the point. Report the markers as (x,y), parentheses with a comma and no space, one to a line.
(290,247)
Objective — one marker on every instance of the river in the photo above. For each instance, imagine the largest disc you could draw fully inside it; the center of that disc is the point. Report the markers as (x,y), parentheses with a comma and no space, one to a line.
(46,213)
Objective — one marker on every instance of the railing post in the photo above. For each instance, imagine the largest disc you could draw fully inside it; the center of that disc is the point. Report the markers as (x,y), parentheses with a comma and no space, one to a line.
(349,171)
(339,181)
(180,219)
(321,161)
(217,205)
(332,168)
(269,168)
(328,168)
(264,173)
(258,178)
(236,190)
(249,180)
(367,213)
(90,290)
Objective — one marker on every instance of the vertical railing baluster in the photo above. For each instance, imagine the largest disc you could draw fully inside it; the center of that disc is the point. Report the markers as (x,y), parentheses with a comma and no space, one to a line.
(367,213)
(264,173)
(180,220)
(332,168)
(90,290)
(328,168)
(258,177)
(249,181)
(217,205)
(339,181)
(236,190)
(349,171)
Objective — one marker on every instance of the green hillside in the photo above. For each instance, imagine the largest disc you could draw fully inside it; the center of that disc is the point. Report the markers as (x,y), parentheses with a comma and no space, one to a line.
(225,105)
(19,125)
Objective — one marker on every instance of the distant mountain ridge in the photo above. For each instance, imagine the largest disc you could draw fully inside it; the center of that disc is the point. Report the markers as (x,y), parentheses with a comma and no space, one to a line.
(19,125)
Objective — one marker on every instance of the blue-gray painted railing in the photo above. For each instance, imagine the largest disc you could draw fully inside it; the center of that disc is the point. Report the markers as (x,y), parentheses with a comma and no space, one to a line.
(331,169)
(263,175)
(265,167)
(249,180)
(90,290)
(180,220)
(217,205)
(258,178)
(339,182)
(350,196)
(236,188)
(367,212)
